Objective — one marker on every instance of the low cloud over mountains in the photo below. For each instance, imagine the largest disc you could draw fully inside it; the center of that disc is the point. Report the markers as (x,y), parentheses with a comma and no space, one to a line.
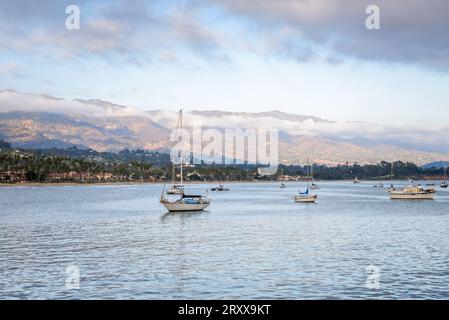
(32,120)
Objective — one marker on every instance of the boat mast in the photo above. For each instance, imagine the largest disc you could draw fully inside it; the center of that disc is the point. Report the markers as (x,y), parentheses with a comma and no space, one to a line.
(311,173)
(391,174)
(179,125)
(181,169)
(308,165)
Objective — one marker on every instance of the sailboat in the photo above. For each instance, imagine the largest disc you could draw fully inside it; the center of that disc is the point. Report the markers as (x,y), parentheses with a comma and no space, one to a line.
(305,197)
(281,177)
(185,202)
(313,186)
(444,183)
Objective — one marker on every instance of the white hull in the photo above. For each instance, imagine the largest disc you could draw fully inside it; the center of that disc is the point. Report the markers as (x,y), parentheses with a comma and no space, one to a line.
(404,196)
(412,193)
(176,206)
(305,199)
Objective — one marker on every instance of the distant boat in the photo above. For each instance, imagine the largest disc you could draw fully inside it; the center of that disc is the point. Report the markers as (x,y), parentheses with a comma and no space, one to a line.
(379,185)
(185,202)
(356,180)
(411,192)
(313,186)
(305,197)
(220,188)
(175,189)
(282,185)
(444,183)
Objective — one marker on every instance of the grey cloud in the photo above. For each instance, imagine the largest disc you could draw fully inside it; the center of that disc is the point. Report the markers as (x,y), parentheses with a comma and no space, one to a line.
(136,32)
(412,31)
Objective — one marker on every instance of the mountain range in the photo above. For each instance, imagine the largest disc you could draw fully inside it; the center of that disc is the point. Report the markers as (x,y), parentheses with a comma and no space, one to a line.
(44,121)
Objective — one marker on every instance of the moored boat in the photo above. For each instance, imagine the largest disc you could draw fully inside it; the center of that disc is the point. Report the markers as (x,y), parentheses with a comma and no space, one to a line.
(185,202)
(175,189)
(314,186)
(379,185)
(220,188)
(411,193)
(305,197)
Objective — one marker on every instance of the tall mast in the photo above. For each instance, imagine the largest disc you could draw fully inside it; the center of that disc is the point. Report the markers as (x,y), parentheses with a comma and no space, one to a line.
(391,174)
(179,125)
(311,173)
(308,165)
(181,169)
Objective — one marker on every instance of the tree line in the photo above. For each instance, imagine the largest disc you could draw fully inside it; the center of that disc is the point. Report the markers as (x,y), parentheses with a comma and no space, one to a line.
(75,165)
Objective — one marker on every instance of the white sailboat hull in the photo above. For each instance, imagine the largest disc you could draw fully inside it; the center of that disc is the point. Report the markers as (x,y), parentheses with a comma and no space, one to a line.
(412,193)
(177,206)
(411,196)
(305,199)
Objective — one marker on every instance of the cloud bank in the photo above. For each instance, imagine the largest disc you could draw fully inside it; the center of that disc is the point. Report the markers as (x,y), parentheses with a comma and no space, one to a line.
(412,31)
(422,138)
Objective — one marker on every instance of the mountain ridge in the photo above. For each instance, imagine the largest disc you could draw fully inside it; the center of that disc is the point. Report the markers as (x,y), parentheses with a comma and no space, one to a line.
(33,120)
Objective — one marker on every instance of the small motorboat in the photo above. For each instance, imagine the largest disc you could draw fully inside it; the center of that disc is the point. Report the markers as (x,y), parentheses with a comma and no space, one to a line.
(282,185)
(379,185)
(220,188)
(314,186)
(356,180)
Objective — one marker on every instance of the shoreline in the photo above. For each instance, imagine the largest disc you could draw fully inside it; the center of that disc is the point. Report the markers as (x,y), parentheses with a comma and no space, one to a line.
(131,183)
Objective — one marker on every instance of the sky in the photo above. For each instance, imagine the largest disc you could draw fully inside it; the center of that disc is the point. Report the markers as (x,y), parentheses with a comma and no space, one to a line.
(298,56)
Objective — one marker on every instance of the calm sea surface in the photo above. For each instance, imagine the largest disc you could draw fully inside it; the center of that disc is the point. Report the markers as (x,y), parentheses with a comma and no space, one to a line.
(253,242)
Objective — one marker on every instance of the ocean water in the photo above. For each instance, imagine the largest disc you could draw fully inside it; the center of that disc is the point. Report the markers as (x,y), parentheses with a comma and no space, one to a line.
(253,242)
